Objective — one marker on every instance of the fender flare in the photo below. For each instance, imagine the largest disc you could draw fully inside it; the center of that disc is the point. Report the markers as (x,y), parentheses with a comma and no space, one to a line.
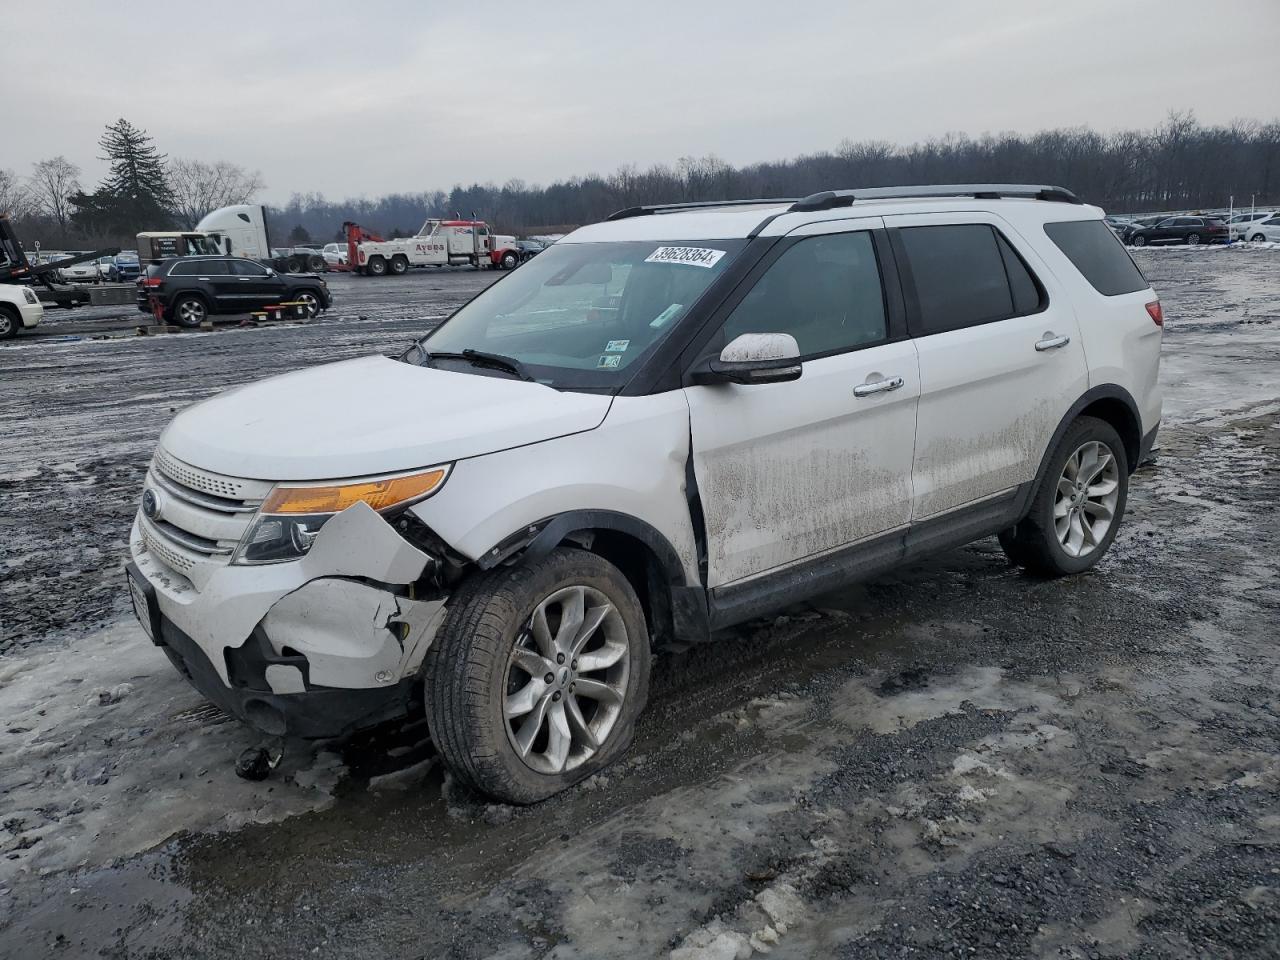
(1103,391)
(687,607)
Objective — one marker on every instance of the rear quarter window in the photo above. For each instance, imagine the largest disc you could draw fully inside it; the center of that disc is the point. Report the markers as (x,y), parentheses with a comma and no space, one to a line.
(1098,255)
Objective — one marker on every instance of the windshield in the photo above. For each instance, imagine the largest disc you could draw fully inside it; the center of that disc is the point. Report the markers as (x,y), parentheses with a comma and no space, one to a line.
(579,315)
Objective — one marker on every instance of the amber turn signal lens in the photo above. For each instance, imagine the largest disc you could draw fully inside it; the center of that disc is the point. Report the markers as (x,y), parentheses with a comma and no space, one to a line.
(379,494)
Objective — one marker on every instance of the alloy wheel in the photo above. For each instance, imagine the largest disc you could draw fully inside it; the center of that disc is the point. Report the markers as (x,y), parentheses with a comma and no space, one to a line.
(310,305)
(1088,492)
(191,313)
(566,680)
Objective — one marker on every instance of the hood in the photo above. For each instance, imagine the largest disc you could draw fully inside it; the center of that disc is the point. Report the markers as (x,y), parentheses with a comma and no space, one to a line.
(368,416)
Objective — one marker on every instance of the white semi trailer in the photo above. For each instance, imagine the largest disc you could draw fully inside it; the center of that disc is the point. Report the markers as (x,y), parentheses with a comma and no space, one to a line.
(239,230)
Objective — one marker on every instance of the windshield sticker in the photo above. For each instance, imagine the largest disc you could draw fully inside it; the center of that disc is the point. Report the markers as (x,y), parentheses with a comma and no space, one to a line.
(617,346)
(609,361)
(662,319)
(693,256)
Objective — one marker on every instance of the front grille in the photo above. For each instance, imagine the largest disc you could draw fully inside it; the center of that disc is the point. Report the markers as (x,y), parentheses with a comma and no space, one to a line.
(203,515)
(197,479)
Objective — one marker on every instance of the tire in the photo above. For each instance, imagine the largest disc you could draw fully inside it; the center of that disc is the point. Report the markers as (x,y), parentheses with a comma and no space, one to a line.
(311,300)
(293,265)
(189,312)
(1036,543)
(1138,240)
(473,672)
(399,265)
(376,267)
(510,261)
(1258,238)
(10,323)
(316,265)
(1193,239)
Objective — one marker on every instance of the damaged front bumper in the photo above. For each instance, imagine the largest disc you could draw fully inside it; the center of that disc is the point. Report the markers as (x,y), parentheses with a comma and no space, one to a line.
(316,647)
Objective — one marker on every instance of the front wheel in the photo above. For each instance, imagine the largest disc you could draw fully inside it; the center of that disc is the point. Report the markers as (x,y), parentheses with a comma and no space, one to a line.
(537,675)
(308,301)
(1078,506)
(510,261)
(1138,241)
(9,324)
(1258,238)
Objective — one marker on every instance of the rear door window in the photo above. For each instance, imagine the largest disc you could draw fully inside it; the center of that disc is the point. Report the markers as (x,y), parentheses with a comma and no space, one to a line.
(1098,255)
(965,275)
(247,268)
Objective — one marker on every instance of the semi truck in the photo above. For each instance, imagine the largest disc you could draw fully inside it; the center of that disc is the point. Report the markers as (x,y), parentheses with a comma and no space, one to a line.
(239,230)
(439,243)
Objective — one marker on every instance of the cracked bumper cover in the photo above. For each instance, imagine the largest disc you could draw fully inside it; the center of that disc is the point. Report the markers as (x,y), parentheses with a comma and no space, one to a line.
(315,647)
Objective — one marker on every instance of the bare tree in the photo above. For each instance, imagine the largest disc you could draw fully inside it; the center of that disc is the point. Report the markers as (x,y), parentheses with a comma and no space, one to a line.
(199,187)
(53,183)
(15,198)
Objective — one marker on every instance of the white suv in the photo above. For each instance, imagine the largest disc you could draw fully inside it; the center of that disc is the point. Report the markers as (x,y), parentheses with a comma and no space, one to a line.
(667,423)
(20,309)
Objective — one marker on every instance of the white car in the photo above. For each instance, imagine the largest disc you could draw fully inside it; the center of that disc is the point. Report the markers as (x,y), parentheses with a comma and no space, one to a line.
(335,254)
(90,271)
(20,309)
(781,397)
(1268,229)
(1239,225)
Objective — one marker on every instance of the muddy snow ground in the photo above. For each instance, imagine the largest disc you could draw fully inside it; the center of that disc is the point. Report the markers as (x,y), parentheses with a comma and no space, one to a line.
(955,760)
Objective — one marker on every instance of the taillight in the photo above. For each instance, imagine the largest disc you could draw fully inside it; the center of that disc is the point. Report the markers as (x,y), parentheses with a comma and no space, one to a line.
(1157,316)
(153,281)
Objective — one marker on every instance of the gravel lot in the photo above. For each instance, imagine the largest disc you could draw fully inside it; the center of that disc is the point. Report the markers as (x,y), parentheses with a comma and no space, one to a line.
(955,760)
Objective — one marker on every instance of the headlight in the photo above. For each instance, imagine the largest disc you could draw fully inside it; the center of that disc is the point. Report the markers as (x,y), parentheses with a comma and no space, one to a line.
(289,519)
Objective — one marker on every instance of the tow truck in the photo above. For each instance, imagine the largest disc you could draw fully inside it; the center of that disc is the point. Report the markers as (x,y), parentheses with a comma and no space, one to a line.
(439,243)
(16,267)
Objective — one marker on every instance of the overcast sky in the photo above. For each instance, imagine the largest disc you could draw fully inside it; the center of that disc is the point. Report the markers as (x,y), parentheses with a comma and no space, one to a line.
(372,97)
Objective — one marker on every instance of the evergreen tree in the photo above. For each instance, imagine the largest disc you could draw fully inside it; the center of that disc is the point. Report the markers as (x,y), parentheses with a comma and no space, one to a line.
(299,235)
(135,195)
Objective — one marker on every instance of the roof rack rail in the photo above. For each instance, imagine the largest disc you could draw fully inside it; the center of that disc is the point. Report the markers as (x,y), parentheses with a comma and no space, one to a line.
(695,205)
(830,199)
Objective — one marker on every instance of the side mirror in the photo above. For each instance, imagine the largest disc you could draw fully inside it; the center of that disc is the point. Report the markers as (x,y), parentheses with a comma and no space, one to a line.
(270,272)
(754,358)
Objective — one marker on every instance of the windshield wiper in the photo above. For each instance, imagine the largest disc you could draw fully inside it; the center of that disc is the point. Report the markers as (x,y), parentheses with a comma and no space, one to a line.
(482,359)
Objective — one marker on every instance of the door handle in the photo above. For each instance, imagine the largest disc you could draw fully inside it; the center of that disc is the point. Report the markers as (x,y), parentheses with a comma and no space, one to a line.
(245,279)
(1052,343)
(879,386)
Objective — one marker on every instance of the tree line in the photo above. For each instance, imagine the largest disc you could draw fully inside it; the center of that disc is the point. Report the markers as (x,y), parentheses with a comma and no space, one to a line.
(143,190)
(1180,164)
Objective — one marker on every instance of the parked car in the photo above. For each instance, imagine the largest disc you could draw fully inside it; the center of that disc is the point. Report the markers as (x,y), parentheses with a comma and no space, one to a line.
(528,249)
(101,270)
(127,266)
(500,525)
(20,309)
(1268,229)
(1138,224)
(190,289)
(1239,225)
(1117,224)
(335,254)
(1192,230)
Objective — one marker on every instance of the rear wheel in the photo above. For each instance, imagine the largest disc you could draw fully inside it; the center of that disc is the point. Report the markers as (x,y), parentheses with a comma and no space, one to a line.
(293,265)
(399,265)
(9,323)
(1193,239)
(377,267)
(1078,506)
(190,312)
(537,675)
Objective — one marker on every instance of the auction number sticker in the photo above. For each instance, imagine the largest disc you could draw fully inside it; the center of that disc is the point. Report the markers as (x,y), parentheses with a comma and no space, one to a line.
(692,256)
(617,346)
